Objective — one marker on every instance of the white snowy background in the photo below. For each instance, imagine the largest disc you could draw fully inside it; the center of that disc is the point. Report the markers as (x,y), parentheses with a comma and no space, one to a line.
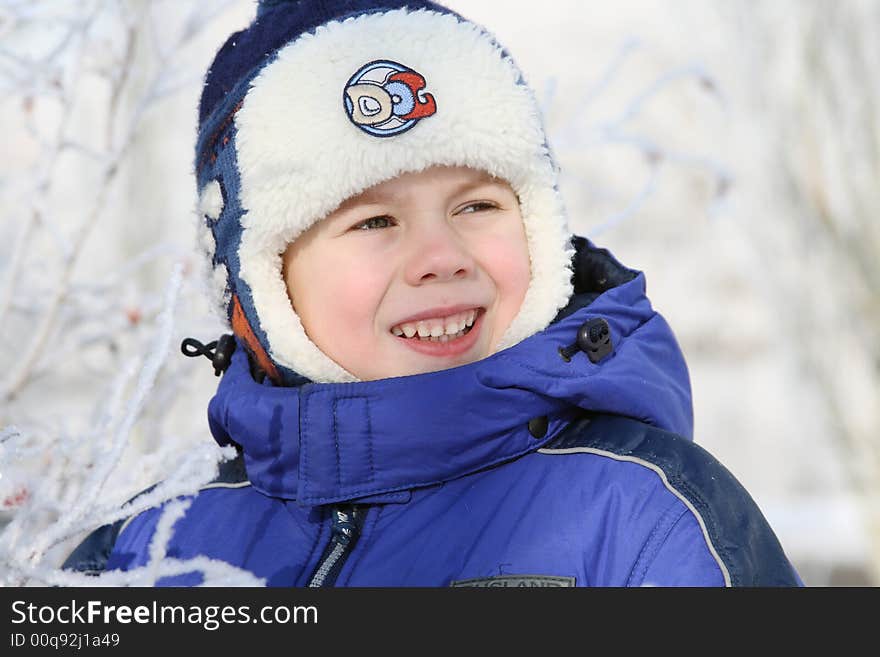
(730,149)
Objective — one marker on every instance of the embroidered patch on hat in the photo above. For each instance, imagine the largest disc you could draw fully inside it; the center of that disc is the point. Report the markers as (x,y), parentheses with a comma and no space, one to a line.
(385,98)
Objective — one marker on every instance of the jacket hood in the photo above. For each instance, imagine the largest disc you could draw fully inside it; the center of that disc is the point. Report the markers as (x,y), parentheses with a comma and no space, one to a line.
(374,440)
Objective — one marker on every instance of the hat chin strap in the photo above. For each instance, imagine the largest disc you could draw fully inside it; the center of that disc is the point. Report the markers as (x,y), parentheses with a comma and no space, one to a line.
(242,328)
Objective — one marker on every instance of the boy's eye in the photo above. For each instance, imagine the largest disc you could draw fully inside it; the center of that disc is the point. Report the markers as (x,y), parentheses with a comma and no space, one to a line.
(477,206)
(372,223)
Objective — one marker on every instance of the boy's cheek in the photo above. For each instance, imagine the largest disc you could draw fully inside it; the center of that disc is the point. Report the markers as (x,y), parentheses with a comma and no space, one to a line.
(331,275)
(509,266)
(347,297)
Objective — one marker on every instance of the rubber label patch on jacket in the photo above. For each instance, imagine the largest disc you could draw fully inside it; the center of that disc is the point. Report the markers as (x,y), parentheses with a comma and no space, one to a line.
(516,581)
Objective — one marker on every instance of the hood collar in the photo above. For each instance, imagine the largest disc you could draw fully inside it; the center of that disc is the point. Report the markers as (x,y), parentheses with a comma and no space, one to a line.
(374,440)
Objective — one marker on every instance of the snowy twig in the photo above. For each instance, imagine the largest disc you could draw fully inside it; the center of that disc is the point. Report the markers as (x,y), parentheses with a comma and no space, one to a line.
(95,484)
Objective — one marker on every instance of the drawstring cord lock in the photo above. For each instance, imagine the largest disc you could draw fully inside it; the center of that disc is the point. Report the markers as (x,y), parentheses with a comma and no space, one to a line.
(594,339)
(219,352)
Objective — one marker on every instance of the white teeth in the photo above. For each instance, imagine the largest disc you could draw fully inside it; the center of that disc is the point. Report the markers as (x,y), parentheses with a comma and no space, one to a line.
(437,329)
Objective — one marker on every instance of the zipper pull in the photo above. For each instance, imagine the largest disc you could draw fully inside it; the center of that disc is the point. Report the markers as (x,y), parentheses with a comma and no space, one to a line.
(344,530)
(344,527)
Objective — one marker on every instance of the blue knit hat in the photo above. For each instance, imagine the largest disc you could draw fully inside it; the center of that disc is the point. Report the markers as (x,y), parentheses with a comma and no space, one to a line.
(318,100)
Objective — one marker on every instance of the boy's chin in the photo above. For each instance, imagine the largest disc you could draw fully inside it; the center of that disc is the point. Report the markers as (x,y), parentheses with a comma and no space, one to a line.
(417,364)
(428,368)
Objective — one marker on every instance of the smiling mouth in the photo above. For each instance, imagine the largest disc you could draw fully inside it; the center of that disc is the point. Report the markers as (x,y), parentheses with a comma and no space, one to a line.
(439,329)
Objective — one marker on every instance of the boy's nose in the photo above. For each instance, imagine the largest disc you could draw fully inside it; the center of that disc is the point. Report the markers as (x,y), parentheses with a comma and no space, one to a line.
(438,254)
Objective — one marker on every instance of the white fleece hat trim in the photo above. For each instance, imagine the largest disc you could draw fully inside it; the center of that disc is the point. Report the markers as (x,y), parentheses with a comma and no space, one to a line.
(300,156)
(213,278)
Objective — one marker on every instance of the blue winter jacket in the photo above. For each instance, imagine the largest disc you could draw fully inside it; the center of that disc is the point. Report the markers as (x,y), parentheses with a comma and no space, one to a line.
(534,467)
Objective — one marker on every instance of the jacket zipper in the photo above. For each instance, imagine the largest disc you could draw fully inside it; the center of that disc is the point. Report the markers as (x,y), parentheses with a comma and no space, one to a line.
(345,529)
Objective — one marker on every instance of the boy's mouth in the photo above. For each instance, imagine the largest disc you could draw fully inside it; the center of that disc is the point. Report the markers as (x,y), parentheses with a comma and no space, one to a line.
(438,329)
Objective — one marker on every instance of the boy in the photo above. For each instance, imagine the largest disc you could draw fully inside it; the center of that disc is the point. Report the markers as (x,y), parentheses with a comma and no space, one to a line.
(434,383)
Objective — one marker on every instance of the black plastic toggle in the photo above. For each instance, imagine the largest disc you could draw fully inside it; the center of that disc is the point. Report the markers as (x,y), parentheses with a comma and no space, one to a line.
(219,352)
(594,339)
(538,426)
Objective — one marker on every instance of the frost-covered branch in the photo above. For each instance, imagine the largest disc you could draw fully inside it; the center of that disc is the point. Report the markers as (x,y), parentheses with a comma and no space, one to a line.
(93,338)
(579,131)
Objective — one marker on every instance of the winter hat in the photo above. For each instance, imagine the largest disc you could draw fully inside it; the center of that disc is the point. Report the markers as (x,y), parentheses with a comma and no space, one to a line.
(318,100)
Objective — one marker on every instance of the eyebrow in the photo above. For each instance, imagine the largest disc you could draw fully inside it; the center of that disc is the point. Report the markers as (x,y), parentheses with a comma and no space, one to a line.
(372,196)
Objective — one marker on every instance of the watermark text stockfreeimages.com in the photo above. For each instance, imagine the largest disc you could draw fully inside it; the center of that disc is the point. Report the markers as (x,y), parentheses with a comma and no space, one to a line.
(210,617)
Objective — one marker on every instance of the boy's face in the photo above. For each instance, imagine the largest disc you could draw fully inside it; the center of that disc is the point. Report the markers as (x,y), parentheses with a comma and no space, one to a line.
(439,253)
